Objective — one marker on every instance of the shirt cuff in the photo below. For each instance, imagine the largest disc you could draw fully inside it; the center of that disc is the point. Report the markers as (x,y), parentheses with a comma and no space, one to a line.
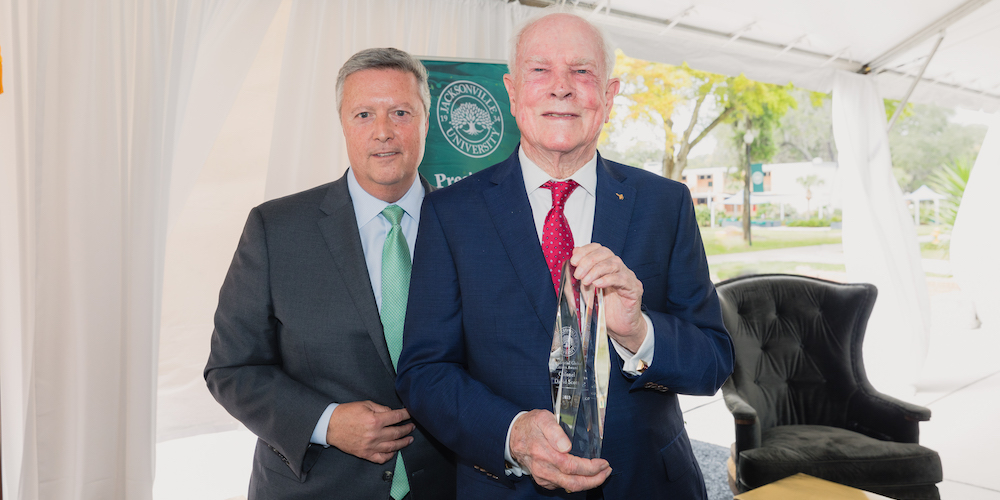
(644,353)
(515,468)
(319,433)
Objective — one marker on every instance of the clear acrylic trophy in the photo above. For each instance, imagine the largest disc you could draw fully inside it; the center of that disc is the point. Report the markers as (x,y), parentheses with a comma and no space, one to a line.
(580,364)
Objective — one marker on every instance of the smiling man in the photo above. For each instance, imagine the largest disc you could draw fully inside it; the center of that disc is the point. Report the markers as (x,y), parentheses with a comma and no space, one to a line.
(310,319)
(479,325)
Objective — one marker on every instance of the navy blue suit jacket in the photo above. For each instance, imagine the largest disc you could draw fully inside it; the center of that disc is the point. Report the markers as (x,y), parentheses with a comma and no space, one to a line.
(481,313)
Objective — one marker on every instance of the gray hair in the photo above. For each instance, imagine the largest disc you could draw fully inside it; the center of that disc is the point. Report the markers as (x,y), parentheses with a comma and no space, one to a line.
(602,37)
(385,58)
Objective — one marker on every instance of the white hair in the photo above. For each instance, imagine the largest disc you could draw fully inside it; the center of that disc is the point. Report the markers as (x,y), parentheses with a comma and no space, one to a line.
(602,36)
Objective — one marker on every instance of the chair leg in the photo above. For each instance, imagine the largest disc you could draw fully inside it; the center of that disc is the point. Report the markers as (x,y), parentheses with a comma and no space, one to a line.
(731,475)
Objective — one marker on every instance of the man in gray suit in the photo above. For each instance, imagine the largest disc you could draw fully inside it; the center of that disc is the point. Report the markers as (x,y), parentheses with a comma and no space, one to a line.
(309,323)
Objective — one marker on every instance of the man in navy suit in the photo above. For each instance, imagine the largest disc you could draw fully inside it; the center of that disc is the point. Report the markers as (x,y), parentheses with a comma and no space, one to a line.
(482,304)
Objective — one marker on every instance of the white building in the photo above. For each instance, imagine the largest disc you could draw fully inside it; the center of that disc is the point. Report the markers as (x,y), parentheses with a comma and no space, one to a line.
(781,186)
(707,185)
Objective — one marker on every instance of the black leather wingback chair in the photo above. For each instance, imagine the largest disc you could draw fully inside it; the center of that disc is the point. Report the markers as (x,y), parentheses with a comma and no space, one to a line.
(800,396)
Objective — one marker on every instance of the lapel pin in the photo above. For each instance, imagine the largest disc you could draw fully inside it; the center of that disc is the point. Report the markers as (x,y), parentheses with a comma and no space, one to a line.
(620,196)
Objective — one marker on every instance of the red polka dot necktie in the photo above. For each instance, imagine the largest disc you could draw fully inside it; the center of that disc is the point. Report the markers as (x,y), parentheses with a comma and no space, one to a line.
(557,239)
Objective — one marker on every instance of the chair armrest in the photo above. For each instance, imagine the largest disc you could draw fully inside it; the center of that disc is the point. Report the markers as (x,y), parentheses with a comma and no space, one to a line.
(884,417)
(745,416)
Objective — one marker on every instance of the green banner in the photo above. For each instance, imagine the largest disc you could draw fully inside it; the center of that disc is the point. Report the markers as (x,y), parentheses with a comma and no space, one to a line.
(757,177)
(471,126)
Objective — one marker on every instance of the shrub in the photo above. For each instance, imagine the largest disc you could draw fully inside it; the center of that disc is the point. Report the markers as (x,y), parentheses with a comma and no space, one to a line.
(950,180)
(772,211)
(812,222)
(704,215)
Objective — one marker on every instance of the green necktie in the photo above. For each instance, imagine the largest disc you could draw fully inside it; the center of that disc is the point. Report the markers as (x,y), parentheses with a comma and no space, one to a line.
(395,289)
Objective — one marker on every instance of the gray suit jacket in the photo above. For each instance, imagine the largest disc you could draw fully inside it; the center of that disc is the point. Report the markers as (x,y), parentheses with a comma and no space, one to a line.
(297,328)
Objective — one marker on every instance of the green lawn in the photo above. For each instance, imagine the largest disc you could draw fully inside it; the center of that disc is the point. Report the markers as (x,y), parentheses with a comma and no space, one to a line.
(730,240)
(935,249)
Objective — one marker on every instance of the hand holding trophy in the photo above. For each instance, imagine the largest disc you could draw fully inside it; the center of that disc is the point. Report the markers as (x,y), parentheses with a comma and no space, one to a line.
(580,364)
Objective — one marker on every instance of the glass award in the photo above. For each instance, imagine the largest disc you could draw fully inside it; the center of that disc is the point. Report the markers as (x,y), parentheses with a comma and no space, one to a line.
(580,364)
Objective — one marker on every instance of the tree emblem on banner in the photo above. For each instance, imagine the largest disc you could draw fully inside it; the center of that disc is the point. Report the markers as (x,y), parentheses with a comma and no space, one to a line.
(470,118)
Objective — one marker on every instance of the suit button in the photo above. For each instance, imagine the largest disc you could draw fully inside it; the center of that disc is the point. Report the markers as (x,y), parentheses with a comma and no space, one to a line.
(387,475)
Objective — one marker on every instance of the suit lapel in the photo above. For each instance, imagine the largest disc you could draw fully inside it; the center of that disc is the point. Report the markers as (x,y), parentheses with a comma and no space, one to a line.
(340,230)
(507,202)
(613,207)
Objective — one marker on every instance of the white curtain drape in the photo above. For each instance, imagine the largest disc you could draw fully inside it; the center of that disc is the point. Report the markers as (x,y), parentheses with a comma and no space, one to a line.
(973,240)
(200,247)
(880,241)
(98,96)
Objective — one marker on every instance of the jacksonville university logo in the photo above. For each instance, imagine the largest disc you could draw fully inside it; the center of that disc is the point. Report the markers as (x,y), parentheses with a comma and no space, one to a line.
(470,118)
(570,341)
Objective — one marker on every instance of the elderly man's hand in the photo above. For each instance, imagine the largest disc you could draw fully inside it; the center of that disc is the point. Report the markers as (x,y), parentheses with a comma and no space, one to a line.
(541,447)
(597,265)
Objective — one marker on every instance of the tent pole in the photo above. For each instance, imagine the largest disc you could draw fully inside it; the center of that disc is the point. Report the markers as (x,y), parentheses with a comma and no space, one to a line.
(938,26)
(916,80)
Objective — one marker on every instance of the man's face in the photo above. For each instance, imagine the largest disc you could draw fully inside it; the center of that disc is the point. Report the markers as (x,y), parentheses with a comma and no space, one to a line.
(559,94)
(385,125)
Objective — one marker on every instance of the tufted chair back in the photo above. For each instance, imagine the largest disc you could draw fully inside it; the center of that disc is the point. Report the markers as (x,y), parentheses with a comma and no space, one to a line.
(798,346)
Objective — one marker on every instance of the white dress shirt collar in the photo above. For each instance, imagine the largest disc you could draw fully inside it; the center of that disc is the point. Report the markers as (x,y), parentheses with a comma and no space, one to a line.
(367,207)
(534,176)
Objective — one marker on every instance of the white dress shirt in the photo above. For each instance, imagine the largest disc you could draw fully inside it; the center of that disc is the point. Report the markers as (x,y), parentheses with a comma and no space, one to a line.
(579,211)
(374,227)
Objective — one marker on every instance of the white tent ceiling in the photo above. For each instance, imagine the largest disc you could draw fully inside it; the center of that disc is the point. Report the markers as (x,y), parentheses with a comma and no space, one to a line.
(804,42)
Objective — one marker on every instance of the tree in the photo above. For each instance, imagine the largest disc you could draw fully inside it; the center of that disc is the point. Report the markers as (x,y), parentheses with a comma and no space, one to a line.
(806,131)
(921,143)
(923,139)
(470,114)
(808,182)
(725,154)
(756,117)
(654,92)
(625,148)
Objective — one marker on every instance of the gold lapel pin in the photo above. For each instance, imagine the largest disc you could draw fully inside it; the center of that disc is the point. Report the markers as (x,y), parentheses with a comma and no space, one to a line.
(620,196)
